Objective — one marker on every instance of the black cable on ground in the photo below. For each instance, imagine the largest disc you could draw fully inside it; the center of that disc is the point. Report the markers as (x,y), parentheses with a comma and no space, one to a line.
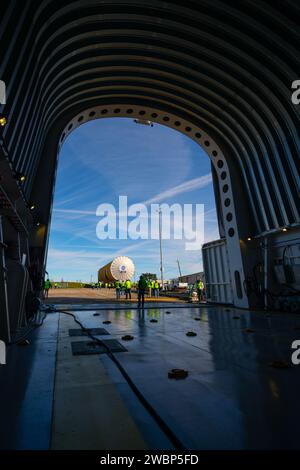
(161,423)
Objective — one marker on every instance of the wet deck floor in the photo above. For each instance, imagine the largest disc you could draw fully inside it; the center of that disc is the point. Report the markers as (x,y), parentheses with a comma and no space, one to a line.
(232,398)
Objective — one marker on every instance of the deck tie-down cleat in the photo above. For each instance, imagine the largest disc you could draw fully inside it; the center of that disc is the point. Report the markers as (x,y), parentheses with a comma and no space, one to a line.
(191,333)
(127,338)
(249,330)
(177,374)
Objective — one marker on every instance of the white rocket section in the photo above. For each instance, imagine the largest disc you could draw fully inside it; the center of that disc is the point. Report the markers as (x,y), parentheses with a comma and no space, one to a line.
(120,269)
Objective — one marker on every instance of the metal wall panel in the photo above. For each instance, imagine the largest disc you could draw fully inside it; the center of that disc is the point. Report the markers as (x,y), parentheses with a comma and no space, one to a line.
(218,281)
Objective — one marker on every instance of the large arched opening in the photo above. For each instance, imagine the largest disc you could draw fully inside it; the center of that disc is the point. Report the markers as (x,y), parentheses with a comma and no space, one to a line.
(127,166)
(231,233)
(219,72)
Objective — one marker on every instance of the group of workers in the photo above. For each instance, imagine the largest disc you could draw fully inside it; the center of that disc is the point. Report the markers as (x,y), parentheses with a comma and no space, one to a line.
(142,285)
(104,285)
(124,287)
(153,288)
(48,285)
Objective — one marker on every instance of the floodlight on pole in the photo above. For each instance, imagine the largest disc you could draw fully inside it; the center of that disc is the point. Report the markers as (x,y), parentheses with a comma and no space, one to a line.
(160,247)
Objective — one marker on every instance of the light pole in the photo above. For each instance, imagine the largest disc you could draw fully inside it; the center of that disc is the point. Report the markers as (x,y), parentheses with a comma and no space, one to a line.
(160,248)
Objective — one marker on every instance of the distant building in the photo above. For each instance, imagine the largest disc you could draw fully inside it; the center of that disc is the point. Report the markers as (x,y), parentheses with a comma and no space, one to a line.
(191,278)
(184,281)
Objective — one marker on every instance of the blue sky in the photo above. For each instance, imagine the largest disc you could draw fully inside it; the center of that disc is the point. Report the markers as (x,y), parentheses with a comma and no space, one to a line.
(108,158)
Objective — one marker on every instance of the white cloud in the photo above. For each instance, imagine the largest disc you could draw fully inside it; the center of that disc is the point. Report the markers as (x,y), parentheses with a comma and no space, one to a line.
(187,186)
(74,211)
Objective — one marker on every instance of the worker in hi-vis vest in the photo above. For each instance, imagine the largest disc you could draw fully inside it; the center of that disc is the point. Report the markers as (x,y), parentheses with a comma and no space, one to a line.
(142,285)
(123,288)
(47,286)
(156,289)
(200,287)
(117,286)
(150,287)
(128,289)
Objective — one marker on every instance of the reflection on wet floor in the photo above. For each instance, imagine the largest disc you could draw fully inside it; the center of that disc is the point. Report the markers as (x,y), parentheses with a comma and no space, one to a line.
(237,394)
(233,397)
